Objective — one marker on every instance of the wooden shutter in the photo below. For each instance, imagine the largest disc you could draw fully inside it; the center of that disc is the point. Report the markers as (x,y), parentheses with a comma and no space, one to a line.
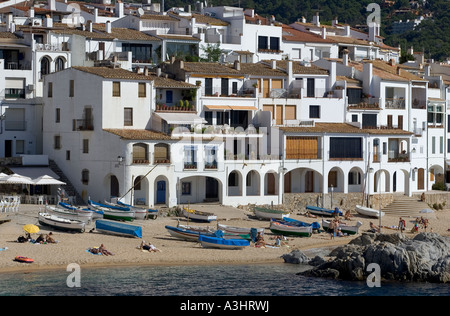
(279,115)
(269,108)
(277,83)
(266,88)
(301,147)
(290,112)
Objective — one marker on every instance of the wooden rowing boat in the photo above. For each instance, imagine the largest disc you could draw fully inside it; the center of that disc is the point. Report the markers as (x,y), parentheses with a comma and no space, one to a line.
(267,214)
(322,211)
(61,223)
(117,228)
(367,211)
(114,213)
(199,216)
(222,243)
(345,229)
(238,230)
(66,213)
(290,230)
(186,234)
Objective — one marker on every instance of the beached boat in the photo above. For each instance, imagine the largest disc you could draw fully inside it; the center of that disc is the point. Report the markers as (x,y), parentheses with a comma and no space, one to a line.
(199,216)
(65,213)
(117,228)
(345,229)
(294,222)
(290,230)
(95,213)
(222,243)
(186,234)
(266,213)
(114,213)
(367,211)
(61,223)
(233,230)
(322,211)
(140,211)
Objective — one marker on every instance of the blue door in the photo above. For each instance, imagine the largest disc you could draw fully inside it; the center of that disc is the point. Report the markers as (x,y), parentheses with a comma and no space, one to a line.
(161,192)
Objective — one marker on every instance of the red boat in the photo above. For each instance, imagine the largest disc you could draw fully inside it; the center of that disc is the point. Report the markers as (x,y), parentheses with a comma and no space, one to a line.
(24,259)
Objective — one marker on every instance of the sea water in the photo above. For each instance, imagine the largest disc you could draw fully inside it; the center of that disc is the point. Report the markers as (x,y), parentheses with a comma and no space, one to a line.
(204,280)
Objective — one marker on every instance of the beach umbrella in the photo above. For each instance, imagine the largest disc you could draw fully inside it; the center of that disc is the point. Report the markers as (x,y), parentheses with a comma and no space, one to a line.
(31,229)
(47,180)
(18,179)
(3,177)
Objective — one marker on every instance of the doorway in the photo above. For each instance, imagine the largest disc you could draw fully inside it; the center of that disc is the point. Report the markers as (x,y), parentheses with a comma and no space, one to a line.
(161,192)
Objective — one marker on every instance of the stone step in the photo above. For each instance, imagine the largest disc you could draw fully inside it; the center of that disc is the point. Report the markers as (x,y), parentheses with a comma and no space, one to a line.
(405,206)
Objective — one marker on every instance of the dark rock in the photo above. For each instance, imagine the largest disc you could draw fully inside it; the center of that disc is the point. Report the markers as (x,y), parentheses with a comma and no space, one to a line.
(295,257)
(316,261)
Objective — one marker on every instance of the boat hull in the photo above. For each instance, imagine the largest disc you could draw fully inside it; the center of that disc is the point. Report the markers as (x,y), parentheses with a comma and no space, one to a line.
(65,213)
(238,230)
(346,229)
(267,214)
(118,229)
(367,211)
(221,243)
(185,234)
(61,223)
(198,216)
(321,211)
(286,230)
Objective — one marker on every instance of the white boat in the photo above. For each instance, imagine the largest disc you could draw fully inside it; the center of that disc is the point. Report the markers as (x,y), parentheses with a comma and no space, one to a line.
(139,212)
(195,215)
(290,230)
(65,213)
(367,211)
(237,230)
(61,223)
(265,213)
(95,213)
(346,229)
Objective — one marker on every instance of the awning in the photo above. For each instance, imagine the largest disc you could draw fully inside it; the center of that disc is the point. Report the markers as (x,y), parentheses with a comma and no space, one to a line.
(181,118)
(34,172)
(218,107)
(243,108)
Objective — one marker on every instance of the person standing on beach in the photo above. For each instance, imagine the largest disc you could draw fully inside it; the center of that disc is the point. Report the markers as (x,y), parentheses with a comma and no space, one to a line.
(332,229)
(401,225)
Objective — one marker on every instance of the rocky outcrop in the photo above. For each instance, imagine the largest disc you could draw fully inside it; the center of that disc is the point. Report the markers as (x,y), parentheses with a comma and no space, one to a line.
(426,257)
(295,257)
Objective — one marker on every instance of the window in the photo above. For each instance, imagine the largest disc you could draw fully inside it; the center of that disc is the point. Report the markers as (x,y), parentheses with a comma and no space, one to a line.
(85,176)
(233,179)
(211,157)
(59,64)
(141,90)
(137,183)
(185,188)
(58,115)
(441,145)
(128,116)
(369,120)
(72,88)
(208,86)
(222,118)
(57,142)
(116,89)
(263,42)
(310,88)
(50,90)
(354,177)
(20,146)
(85,146)
(209,117)
(274,43)
(190,157)
(433,145)
(224,87)
(354,117)
(345,148)
(169,96)
(314,111)
(45,66)
(435,114)
(67,154)
(234,88)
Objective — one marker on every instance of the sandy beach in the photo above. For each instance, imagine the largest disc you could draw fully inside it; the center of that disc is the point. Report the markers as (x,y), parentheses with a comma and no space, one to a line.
(71,247)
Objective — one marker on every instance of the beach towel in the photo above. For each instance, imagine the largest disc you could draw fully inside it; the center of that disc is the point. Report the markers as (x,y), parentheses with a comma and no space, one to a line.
(3,248)
(88,251)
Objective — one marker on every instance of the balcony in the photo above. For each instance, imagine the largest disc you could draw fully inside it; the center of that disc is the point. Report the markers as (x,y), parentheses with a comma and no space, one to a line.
(83,125)
(14,93)
(190,166)
(211,165)
(186,107)
(395,103)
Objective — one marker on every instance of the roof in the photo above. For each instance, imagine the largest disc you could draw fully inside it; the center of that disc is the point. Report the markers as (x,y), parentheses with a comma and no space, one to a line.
(120,73)
(299,69)
(210,68)
(260,69)
(292,35)
(341,128)
(137,134)
(200,18)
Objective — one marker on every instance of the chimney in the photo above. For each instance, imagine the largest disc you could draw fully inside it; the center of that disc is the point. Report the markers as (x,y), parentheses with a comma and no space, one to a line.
(89,24)
(334,22)
(324,32)
(399,71)
(158,71)
(347,30)
(411,51)
(392,62)
(137,69)
(48,22)
(345,57)
(273,64)
(332,75)
(237,65)
(316,20)
(119,9)
(9,20)
(290,72)
(51,5)
(145,71)
(108,27)
(31,12)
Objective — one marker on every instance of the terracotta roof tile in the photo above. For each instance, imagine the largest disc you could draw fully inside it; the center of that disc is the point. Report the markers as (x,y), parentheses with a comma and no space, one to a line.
(343,128)
(137,134)
(292,35)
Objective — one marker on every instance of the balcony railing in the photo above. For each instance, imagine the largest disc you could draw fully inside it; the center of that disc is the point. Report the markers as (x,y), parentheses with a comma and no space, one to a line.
(395,103)
(190,166)
(83,125)
(14,93)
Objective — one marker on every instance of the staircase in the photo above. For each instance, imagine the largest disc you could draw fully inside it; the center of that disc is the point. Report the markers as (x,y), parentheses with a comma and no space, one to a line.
(69,188)
(405,206)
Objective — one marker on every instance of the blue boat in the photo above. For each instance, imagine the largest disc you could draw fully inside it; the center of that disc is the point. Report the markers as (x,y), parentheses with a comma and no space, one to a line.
(140,210)
(323,211)
(221,243)
(96,213)
(118,228)
(293,222)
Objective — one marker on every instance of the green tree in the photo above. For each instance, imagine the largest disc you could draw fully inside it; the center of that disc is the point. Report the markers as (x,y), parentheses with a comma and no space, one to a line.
(212,52)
